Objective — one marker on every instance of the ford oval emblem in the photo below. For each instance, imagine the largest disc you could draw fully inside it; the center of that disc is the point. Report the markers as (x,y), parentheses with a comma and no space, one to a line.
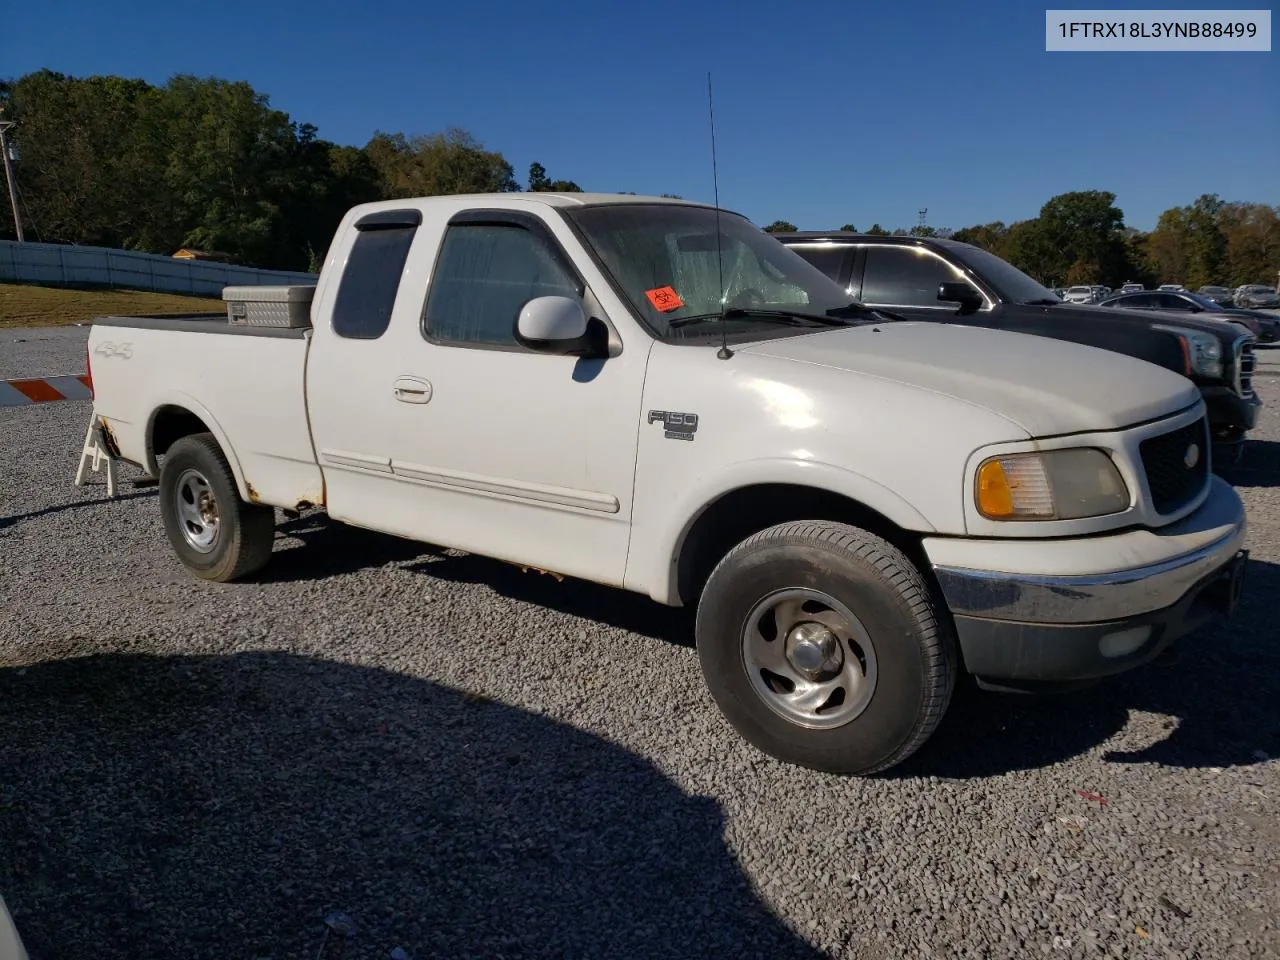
(1192,456)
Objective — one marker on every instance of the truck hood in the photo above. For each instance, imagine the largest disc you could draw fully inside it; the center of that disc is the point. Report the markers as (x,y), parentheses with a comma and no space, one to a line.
(1047,387)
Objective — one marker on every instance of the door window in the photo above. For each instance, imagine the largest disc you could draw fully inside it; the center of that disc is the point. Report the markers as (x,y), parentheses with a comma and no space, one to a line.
(483,277)
(906,277)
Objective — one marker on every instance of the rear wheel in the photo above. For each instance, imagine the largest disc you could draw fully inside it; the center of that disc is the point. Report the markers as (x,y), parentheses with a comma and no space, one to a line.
(821,645)
(215,534)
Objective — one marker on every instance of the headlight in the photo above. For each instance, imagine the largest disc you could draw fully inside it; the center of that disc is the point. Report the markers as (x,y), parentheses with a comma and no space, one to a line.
(1055,485)
(1203,351)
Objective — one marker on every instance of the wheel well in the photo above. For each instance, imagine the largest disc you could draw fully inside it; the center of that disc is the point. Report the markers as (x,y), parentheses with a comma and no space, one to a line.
(171,424)
(740,513)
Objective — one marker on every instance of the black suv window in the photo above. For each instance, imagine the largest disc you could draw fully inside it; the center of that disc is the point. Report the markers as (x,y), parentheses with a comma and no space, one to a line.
(485,273)
(827,257)
(370,281)
(905,277)
(1141,301)
(1171,301)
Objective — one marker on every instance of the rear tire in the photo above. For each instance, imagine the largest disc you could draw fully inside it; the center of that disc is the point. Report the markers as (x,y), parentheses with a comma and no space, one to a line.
(215,534)
(821,645)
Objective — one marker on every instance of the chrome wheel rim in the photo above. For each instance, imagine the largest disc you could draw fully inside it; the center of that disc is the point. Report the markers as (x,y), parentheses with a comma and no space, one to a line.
(809,658)
(197,511)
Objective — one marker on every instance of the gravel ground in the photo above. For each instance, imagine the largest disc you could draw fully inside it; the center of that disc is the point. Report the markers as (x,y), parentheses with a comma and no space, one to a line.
(471,761)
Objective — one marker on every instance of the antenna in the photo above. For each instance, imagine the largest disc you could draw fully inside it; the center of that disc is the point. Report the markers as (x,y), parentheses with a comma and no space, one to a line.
(724,353)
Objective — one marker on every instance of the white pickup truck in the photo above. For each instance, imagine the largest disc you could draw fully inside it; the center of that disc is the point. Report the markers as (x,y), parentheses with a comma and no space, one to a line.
(658,396)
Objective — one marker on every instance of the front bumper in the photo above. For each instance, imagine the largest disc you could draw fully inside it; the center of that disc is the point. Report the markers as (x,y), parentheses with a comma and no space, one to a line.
(1079,609)
(1231,416)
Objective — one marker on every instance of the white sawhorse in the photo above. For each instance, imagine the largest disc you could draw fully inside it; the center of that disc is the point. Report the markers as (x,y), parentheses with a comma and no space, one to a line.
(93,457)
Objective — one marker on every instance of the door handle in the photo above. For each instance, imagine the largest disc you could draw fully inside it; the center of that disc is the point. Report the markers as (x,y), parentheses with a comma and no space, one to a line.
(411,390)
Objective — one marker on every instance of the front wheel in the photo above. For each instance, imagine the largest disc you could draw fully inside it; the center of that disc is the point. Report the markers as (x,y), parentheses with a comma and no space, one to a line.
(215,534)
(821,645)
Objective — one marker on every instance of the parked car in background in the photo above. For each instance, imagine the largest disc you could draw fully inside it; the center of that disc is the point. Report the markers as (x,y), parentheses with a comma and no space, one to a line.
(1261,325)
(928,278)
(1255,296)
(1079,295)
(1132,288)
(1222,296)
(1171,287)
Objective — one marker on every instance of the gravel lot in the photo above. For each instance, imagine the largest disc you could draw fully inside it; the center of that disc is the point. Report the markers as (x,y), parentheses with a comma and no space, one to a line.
(471,761)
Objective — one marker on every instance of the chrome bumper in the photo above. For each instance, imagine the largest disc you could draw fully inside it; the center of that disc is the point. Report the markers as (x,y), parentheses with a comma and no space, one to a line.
(1106,596)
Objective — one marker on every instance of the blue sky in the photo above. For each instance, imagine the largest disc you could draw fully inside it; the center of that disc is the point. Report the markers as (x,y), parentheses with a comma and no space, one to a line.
(827,112)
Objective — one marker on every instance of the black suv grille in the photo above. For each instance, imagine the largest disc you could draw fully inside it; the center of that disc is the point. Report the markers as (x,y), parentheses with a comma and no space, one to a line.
(1244,367)
(1172,482)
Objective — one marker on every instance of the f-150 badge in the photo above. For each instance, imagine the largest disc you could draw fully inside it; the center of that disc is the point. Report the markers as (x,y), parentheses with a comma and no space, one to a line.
(675,425)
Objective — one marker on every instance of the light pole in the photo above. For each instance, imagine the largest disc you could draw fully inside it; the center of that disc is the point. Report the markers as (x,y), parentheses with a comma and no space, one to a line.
(8,173)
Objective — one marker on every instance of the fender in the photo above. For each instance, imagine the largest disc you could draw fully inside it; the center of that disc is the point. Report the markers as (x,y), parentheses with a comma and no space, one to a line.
(656,543)
(176,398)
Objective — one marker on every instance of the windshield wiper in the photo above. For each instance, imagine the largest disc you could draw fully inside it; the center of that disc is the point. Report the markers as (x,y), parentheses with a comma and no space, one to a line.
(793,318)
(849,315)
(1042,302)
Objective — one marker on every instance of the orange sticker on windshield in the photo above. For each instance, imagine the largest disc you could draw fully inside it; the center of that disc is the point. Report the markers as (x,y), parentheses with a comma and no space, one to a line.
(664,299)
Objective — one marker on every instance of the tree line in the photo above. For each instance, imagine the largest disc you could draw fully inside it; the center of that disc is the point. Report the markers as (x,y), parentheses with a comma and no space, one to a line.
(1081,238)
(209,164)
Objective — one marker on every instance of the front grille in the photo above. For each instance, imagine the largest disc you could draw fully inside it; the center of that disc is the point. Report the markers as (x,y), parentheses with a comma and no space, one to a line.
(1177,465)
(1244,361)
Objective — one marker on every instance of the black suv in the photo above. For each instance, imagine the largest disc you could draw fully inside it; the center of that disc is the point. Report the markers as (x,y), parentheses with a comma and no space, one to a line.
(927,278)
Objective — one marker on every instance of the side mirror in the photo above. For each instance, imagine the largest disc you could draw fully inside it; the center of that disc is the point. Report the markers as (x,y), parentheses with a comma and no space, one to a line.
(558,325)
(965,294)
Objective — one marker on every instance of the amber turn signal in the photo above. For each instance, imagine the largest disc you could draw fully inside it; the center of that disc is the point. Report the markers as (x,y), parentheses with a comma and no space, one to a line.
(995,499)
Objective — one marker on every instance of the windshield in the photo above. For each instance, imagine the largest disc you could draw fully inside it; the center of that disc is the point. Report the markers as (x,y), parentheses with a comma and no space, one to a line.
(1009,282)
(1080,290)
(1202,301)
(663,256)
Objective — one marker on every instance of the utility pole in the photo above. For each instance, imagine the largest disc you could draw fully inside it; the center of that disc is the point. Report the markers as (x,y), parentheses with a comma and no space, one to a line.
(8,173)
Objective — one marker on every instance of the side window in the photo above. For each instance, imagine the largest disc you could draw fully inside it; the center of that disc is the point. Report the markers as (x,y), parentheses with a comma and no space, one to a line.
(485,273)
(1168,301)
(370,281)
(1143,301)
(828,258)
(905,276)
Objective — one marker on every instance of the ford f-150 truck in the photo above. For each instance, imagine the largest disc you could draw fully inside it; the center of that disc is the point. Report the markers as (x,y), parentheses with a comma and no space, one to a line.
(658,396)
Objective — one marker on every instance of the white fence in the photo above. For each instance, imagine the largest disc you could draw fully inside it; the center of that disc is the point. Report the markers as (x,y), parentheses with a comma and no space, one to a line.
(60,264)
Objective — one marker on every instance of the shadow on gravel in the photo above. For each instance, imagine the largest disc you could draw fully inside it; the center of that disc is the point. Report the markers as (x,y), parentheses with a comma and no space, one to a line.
(1259,466)
(623,609)
(76,505)
(223,806)
(329,548)
(1220,686)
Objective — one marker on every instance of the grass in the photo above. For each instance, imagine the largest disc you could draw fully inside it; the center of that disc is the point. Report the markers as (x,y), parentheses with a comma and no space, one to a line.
(26,305)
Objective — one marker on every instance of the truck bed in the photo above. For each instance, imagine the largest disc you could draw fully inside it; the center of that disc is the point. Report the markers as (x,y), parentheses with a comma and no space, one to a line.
(149,368)
(201,323)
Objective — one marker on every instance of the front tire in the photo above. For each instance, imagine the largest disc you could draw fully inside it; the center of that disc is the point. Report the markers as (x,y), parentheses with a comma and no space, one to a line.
(214,533)
(821,645)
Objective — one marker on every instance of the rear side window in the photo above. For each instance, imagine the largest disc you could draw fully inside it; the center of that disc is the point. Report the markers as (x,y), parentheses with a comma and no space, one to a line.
(485,274)
(829,258)
(370,281)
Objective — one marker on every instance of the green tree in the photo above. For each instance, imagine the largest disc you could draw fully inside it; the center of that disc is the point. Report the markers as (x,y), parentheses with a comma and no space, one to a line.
(1252,232)
(437,164)
(875,230)
(780,226)
(985,235)
(849,228)
(539,182)
(1080,231)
